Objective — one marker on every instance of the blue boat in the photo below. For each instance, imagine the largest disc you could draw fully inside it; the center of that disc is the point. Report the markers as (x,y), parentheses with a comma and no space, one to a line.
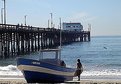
(45,70)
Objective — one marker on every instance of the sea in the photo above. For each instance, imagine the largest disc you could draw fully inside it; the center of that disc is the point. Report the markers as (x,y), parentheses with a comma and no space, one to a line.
(101,58)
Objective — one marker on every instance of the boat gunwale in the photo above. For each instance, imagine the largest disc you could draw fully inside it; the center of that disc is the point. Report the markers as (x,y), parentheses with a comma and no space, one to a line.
(49,63)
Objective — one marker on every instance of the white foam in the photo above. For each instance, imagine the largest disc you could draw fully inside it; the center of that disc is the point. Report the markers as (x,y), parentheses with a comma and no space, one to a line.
(10,70)
(111,72)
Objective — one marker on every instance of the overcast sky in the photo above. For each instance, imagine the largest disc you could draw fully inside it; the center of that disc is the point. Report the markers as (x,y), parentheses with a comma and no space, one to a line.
(103,15)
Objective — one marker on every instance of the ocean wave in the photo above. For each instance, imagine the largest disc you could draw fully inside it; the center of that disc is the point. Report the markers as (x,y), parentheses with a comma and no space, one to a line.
(13,71)
(114,65)
(117,65)
(9,70)
(107,72)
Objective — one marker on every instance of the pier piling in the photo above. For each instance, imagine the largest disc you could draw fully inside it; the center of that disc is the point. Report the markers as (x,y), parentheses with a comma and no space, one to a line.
(17,40)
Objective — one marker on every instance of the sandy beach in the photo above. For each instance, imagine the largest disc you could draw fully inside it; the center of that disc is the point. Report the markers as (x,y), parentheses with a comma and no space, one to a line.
(12,81)
(100,81)
(21,80)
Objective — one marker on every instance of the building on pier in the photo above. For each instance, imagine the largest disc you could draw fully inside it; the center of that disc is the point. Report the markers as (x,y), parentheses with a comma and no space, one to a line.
(73,26)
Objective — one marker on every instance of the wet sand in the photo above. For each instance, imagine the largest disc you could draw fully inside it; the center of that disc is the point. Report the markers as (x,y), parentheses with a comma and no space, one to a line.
(12,81)
(21,80)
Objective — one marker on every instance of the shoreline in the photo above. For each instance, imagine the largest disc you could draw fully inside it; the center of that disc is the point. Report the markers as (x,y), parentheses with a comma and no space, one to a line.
(82,81)
(21,80)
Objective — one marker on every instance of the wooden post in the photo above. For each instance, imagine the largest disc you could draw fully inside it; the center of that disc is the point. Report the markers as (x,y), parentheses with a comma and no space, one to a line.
(89,36)
(41,40)
(29,42)
(32,46)
(38,40)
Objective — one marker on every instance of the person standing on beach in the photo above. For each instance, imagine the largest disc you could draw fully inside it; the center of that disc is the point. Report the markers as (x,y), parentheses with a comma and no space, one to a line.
(79,69)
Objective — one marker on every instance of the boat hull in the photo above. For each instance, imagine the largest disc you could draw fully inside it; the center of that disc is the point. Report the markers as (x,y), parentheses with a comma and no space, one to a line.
(35,77)
(40,72)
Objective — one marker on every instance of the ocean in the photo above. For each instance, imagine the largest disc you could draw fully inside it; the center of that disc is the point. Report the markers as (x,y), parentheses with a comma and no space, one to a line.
(101,58)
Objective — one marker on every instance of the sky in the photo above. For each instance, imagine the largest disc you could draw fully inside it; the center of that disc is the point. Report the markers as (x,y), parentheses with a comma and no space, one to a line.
(103,15)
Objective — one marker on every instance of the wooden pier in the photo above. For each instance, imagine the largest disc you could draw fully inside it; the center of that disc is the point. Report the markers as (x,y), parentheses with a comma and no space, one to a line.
(18,39)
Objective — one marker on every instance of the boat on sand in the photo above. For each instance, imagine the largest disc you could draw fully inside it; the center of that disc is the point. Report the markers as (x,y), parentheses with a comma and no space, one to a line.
(48,69)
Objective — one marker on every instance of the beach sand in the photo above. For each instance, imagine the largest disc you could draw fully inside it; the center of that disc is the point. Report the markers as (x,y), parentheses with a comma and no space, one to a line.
(82,81)
(12,81)
(21,81)
(99,81)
